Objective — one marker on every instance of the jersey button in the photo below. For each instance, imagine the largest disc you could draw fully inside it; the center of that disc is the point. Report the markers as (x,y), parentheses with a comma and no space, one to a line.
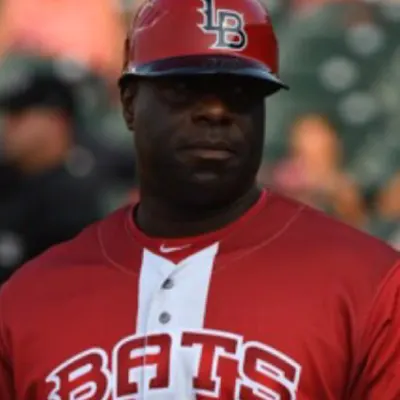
(164,317)
(168,284)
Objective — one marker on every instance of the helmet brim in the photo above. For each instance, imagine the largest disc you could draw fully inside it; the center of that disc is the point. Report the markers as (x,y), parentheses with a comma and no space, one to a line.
(208,65)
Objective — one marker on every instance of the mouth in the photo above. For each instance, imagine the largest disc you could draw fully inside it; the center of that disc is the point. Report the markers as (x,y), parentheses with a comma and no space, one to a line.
(209,154)
(208,151)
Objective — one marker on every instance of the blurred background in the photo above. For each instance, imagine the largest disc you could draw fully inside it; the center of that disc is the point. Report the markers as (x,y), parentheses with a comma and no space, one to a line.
(67,159)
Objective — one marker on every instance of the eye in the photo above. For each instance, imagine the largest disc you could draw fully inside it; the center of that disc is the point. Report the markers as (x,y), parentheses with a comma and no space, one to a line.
(242,96)
(176,92)
(238,90)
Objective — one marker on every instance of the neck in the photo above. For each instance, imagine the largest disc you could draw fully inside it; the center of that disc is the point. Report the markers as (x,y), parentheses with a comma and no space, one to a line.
(157,218)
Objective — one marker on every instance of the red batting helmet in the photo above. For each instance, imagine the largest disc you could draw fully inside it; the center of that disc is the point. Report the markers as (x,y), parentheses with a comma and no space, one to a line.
(203,37)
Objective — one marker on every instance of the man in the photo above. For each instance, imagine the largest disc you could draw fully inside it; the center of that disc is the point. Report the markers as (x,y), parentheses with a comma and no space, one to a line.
(42,201)
(209,288)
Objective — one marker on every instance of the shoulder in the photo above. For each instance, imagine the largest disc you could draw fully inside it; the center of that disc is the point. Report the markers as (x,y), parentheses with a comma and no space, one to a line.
(312,231)
(345,267)
(378,340)
(332,256)
(344,243)
(60,265)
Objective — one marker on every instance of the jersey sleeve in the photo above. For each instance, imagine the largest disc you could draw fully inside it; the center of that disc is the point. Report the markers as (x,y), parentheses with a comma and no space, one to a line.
(6,384)
(378,366)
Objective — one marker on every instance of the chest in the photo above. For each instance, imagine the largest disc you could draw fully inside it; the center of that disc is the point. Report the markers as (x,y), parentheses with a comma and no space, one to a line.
(190,332)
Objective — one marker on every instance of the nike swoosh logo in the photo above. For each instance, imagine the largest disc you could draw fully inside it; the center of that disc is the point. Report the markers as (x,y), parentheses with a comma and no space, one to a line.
(165,249)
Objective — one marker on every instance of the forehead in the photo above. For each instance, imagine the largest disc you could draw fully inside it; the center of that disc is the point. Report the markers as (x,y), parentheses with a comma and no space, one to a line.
(203,83)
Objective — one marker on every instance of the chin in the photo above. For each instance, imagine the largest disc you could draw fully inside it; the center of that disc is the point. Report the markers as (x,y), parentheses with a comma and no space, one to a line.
(207,191)
(210,178)
(210,186)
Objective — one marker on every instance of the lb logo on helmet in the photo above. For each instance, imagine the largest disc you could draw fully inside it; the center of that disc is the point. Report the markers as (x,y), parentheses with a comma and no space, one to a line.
(226,25)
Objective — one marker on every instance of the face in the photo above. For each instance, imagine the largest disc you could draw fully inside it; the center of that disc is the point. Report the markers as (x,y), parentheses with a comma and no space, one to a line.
(198,140)
(37,136)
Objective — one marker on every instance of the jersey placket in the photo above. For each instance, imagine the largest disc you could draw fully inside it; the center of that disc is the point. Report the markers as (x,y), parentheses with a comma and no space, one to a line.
(172,299)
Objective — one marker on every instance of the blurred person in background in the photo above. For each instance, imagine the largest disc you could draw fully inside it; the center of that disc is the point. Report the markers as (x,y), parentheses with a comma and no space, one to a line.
(313,172)
(43,198)
(89,34)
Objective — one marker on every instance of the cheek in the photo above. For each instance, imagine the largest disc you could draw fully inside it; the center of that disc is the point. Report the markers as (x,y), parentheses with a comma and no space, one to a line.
(19,136)
(253,134)
(256,125)
(253,147)
(153,138)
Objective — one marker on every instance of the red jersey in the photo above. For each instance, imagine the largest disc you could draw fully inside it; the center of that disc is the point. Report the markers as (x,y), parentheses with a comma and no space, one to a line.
(285,303)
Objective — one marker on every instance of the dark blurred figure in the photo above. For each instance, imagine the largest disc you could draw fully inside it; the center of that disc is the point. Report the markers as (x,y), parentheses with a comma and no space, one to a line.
(47,191)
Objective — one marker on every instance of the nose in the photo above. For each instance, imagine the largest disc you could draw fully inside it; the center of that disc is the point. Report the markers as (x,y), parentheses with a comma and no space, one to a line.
(211,110)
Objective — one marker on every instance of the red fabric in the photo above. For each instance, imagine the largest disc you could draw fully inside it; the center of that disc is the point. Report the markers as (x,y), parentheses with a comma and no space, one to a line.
(286,276)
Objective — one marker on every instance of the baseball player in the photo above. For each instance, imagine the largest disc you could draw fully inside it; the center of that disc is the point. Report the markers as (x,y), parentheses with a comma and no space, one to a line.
(210,287)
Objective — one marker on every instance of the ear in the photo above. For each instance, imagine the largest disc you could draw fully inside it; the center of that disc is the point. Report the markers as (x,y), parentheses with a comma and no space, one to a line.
(128,105)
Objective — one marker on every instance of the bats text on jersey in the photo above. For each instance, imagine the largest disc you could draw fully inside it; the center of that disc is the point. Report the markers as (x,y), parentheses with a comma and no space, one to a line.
(221,366)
